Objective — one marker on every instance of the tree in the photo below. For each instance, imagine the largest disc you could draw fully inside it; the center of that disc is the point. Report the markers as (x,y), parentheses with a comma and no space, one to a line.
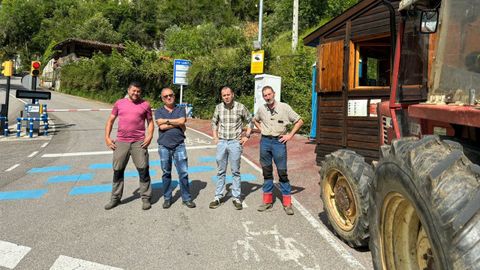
(98,28)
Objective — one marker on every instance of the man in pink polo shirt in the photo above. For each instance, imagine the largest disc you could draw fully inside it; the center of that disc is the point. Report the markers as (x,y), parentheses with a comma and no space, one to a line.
(132,112)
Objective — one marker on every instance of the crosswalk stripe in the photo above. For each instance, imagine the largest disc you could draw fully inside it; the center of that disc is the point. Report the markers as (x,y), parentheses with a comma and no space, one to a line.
(11,254)
(69,263)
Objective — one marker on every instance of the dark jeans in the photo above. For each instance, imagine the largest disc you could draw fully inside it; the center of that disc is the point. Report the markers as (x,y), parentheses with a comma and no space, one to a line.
(272,149)
(178,156)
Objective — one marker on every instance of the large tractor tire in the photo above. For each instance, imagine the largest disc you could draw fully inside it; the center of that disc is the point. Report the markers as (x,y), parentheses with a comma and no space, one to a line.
(345,178)
(424,208)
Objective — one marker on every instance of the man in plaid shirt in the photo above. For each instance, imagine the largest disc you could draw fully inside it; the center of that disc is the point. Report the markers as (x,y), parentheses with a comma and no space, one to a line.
(228,121)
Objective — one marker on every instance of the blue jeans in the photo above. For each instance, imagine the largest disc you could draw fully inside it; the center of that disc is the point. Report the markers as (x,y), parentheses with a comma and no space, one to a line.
(228,151)
(271,148)
(178,155)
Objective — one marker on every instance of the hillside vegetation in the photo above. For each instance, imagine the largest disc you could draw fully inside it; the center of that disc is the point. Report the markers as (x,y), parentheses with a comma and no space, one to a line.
(216,35)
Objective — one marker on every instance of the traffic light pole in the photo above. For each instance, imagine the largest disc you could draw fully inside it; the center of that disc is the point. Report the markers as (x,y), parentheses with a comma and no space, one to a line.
(34,87)
(7,100)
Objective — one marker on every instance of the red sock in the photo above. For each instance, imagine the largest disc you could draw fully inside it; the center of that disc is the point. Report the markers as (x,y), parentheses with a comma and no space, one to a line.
(287,200)
(267,198)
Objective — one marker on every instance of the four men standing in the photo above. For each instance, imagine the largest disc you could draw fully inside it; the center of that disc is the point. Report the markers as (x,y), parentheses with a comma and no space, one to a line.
(228,121)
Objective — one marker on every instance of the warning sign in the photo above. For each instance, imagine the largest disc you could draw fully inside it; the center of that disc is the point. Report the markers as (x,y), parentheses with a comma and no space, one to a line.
(256,66)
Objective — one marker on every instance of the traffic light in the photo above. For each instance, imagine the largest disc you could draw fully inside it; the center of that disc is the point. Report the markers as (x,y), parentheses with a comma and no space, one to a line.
(35,70)
(7,68)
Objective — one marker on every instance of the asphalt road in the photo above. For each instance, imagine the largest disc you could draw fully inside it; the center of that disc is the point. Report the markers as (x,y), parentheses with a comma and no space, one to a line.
(53,189)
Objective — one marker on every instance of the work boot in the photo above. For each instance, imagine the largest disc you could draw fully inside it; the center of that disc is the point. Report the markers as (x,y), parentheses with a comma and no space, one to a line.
(146,204)
(237,203)
(112,204)
(189,204)
(288,210)
(214,204)
(267,202)
(264,207)
(287,204)
(166,204)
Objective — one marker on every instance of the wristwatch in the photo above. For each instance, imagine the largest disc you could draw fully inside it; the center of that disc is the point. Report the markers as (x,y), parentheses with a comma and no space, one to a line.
(168,122)
(247,135)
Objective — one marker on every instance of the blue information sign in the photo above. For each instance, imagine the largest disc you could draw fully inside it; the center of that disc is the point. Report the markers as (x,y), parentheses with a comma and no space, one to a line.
(180,70)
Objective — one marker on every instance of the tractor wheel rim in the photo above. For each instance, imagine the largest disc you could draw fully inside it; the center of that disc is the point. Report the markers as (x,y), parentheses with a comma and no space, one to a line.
(341,200)
(404,241)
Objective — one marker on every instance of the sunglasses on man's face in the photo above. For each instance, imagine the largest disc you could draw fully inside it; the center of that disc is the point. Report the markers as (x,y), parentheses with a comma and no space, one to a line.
(169,96)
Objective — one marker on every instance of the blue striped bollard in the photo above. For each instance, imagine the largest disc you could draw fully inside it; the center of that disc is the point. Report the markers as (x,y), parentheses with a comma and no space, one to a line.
(19,126)
(45,126)
(5,130)
(30,133)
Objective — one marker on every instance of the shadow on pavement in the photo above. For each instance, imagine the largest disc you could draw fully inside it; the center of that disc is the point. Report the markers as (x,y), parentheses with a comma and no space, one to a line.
(195,187)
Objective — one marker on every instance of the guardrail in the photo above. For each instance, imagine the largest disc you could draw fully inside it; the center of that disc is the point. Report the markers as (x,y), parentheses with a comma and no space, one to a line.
(43,118)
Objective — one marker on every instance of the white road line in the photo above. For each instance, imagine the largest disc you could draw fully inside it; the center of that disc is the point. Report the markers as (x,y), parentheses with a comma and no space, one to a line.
(24,102)
(97,153)
(69,263)
(44,145)
(319,227)
(12,168)
(33,154)
(11,254)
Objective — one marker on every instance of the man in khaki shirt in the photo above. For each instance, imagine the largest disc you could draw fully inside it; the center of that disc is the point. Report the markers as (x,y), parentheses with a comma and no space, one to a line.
(272,120)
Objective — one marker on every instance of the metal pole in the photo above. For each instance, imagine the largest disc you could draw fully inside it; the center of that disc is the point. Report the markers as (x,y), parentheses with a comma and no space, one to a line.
(181,94)
(295,25)
(7,100)
(34,87)
(260,22)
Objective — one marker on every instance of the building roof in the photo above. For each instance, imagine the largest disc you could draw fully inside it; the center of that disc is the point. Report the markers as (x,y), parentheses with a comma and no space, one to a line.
(313,38)
(89,44)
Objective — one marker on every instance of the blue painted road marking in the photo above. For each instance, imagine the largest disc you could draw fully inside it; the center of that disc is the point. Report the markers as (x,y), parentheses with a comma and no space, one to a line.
(98,166)
(207,159)
(200,169)
(70,178)
(50,169)
(245,178)
(135,173)
(154,163)
(23,194)
(90,189)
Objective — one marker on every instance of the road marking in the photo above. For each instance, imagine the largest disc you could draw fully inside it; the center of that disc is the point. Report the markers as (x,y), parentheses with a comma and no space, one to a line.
(11,254)
(77,110)
(207,159)
(81,190)
(50,169)
(33,154)
(200,169)
(69,263)
(12,168)
(319,227)
(22,194)
(44,145)
(97,153)
(24,102)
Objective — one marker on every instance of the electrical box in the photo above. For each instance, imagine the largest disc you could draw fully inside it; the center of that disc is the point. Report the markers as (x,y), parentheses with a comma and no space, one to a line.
(263,80)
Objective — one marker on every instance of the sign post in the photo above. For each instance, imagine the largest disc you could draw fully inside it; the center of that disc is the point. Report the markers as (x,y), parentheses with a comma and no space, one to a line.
(180,71)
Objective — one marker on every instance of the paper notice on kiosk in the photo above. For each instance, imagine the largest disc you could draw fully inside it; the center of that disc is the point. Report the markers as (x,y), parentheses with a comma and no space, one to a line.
(358,107)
